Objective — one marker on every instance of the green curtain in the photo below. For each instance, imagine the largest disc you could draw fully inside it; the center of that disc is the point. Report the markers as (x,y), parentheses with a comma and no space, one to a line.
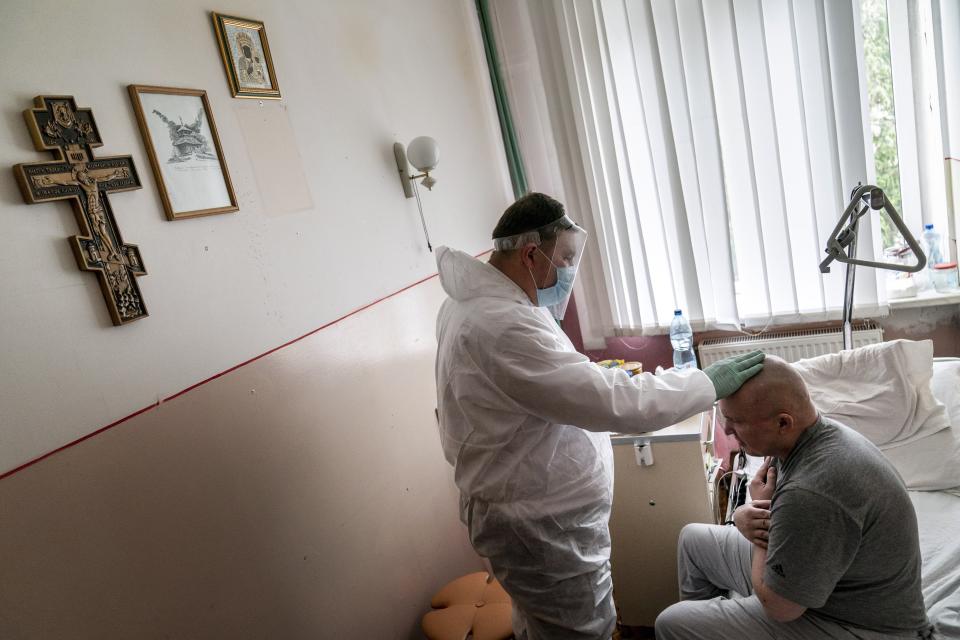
(514,159)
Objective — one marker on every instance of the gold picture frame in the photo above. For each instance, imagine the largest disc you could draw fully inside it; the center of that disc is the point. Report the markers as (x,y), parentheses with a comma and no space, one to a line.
(246,57)
(181,140)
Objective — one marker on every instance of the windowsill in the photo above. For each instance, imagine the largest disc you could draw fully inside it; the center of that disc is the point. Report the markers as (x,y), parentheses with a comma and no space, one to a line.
(926,299)
(930,298)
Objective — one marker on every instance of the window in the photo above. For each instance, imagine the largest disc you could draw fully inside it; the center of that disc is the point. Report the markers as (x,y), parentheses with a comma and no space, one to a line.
(904,45)
(711,145)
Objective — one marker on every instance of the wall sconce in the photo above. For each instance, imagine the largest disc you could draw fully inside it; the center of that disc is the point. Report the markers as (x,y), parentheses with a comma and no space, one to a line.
(424,154)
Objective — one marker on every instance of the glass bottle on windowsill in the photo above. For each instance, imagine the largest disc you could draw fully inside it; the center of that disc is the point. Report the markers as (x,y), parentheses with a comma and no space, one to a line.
(930,243)
(931,246)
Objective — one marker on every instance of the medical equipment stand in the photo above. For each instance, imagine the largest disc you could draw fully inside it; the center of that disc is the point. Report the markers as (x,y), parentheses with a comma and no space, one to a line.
(842,247)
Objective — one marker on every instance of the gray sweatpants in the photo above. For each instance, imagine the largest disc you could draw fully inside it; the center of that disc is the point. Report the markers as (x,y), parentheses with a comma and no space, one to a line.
(713,561)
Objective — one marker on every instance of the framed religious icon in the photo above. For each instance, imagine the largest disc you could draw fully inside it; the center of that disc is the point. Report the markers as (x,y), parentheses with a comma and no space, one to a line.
(184,149)
(246,57)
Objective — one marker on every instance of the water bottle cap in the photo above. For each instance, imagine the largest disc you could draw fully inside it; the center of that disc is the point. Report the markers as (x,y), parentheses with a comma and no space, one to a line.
(677,312)
(928,226)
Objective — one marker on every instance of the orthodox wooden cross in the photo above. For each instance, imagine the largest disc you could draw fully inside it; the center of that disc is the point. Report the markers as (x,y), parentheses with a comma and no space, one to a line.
(57,125)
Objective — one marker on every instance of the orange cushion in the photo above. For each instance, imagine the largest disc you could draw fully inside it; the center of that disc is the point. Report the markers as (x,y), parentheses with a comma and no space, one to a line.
(474,603)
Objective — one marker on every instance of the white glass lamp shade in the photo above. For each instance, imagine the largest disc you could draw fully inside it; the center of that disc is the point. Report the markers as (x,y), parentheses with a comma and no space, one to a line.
(423,153)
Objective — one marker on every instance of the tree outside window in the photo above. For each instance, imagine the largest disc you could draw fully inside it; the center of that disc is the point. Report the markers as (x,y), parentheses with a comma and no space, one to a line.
(876,48)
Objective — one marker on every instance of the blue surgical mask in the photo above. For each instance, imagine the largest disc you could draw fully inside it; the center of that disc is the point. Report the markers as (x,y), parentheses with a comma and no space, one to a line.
(560,291)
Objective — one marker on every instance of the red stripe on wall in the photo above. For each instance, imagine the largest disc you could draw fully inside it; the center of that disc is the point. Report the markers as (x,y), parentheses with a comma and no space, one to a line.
(214,377)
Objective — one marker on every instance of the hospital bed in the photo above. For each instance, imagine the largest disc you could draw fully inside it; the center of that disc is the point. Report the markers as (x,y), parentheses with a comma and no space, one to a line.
(938,515)
(895,393)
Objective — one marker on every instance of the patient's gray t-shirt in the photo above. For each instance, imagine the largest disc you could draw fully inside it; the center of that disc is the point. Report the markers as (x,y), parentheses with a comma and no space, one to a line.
(843,534)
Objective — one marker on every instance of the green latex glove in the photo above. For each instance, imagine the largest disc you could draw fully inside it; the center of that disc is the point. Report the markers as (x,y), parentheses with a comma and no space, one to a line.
(729,374)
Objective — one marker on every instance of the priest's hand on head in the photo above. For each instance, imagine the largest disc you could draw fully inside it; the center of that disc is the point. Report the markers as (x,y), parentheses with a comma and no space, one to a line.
(729,374)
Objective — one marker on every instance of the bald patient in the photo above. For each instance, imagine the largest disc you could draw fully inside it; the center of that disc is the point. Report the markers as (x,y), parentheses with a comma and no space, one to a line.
(827,549)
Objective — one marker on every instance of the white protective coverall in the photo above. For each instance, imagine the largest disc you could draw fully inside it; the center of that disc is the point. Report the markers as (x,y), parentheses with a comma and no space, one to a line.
(523,420)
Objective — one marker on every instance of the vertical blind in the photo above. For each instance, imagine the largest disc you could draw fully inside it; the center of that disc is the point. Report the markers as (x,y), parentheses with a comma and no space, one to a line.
(709,145)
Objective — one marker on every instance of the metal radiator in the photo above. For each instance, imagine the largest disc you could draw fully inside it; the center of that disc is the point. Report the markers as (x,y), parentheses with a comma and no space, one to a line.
(791,346)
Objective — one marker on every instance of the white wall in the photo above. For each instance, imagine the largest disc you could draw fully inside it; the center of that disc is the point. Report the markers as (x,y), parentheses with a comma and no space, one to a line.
(355,76)
(304,495)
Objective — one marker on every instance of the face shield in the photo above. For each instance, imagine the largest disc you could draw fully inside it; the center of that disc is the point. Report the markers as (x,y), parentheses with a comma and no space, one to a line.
(564,258)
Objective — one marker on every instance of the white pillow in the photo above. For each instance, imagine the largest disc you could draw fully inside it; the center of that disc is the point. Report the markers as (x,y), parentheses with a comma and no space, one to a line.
(933,463)
(945,385)
(880,390)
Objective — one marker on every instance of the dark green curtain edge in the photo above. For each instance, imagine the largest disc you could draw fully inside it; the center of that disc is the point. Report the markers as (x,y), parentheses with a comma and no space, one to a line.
(514,160)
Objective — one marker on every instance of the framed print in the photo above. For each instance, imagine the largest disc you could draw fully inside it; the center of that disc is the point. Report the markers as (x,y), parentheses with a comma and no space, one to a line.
(246,57)
(181,140)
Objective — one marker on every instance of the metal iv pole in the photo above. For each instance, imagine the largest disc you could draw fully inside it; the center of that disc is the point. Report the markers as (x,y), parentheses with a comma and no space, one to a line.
(842,247)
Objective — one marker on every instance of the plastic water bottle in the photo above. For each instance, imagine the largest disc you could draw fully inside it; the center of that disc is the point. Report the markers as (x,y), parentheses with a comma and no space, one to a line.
(931,246)
(681,337)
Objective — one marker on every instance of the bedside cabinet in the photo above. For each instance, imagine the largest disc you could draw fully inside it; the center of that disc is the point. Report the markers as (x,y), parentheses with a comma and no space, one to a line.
(651,504)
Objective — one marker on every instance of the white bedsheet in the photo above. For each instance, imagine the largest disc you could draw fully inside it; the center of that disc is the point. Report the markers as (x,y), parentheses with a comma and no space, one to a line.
(938,514)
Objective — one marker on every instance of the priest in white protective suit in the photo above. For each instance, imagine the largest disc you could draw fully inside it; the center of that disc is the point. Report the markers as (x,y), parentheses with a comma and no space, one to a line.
(524,420)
